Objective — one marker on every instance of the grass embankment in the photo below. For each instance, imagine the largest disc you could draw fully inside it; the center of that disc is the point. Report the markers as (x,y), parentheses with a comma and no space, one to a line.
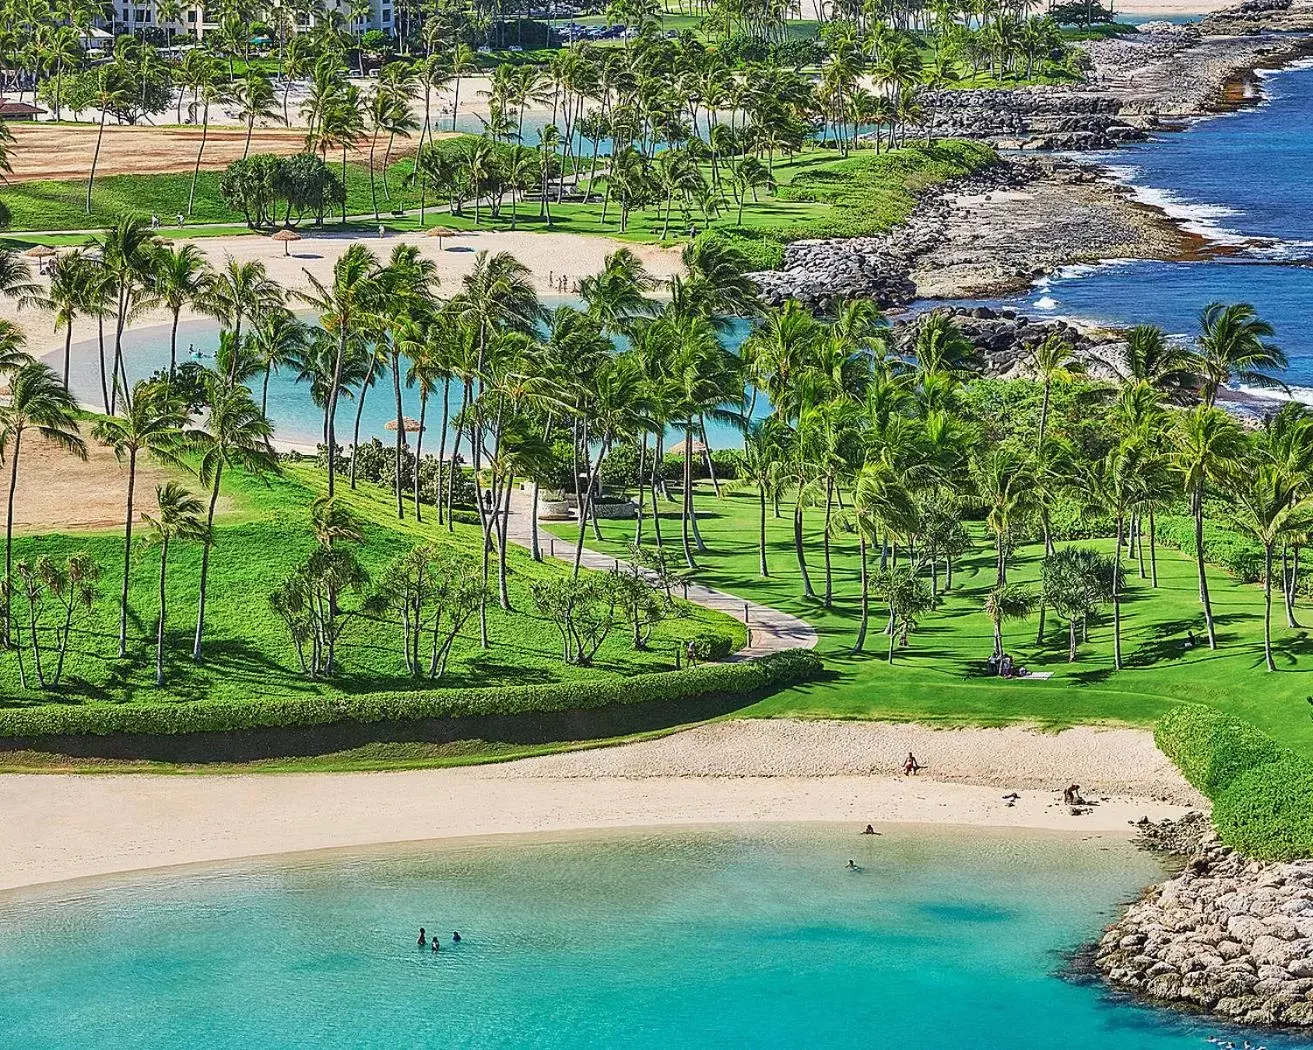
(249,655)
(941,677)
(60,204)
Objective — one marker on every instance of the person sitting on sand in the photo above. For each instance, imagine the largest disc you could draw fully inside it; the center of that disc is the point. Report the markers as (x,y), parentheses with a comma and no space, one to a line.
(911,766)
(869,830)
(1071,797)
(422,937)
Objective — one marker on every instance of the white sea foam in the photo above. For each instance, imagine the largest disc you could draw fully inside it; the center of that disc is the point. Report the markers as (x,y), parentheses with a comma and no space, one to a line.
(1046,302)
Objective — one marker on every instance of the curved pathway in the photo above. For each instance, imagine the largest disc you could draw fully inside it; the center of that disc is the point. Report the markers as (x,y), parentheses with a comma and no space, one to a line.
(769,630)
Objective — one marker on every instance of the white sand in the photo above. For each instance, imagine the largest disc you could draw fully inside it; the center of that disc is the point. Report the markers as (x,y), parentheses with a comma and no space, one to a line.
(546,255)
(61,826)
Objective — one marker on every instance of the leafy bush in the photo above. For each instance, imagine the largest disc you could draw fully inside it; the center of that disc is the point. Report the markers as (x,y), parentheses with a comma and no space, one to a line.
(1212,749)
(765,674)
(1262,794)
(761,248)
(713,646)
(1237,554)
(1267,813)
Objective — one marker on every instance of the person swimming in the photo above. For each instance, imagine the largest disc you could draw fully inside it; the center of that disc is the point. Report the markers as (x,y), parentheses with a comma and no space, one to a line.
(852,866)
(455,936)
(435,945)
(423,937)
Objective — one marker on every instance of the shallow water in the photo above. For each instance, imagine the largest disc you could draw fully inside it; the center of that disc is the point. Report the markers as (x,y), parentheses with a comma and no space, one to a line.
(746,936)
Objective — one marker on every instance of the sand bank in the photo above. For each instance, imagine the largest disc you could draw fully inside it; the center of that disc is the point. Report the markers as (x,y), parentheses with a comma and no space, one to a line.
(63,826)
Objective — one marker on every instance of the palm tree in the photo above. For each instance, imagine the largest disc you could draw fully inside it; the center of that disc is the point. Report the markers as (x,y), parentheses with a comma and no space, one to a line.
(1009,601)
(1004,489)
(1207,443)
(236,434)
(1053,360)
(1232,348)
(237,291)
(1154,359)
(1116,486)
(882,507)
(178,277)
(67,298)
(255,98)
(463,63)
(153,423)
(127,255)
(344,309)
(179,518)
(38,401)
(205,85)
(1269,505)
(277,338)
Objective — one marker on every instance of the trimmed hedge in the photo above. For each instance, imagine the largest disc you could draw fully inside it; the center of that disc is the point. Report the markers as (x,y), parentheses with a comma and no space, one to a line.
(750,676)
(1262,794)
(1212,749)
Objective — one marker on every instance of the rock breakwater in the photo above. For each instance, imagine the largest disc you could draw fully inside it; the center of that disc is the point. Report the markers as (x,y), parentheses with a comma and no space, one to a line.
(1030,118)
(1228,935)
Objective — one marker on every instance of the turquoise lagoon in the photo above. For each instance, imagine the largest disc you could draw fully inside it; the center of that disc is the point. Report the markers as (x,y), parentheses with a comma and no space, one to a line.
(742,936)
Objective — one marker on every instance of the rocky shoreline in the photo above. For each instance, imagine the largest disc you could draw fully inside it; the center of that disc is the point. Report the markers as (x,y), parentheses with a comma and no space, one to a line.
(1227,935)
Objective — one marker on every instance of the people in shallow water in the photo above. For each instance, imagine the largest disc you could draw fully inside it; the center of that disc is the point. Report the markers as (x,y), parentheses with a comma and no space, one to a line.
(435,944)
(455,936)
(852,866)
(422,937)
(869,830)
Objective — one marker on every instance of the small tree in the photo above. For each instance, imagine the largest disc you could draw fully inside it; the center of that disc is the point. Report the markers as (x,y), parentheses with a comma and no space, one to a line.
(434,594)
(72,589)
(907,596)
(643,602)
(1076,583)
(179,518)
(583,608)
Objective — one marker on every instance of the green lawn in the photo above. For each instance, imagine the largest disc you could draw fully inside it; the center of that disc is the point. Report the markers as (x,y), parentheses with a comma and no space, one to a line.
(941,678)
(248,651)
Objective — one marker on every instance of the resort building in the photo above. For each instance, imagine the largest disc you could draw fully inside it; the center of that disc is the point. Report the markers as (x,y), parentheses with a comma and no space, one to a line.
(194,20)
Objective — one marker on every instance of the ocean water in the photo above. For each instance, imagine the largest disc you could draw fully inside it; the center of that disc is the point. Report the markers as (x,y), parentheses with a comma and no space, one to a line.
(715,937)
(1242,180)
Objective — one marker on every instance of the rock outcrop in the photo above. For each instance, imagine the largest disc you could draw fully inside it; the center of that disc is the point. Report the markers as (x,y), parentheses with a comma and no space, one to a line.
(1228,935)
(1260,16)
(1030,118)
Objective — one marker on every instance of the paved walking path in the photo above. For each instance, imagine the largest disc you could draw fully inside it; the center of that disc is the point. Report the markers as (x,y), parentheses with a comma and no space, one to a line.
(769,630)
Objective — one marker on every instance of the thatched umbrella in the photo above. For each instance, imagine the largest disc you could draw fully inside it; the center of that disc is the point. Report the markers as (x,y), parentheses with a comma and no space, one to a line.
(41,252)
(440,232)
(680,447)
(410,424)
(287,237)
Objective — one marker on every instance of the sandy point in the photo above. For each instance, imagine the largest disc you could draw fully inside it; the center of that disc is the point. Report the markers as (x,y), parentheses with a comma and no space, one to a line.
(65,826)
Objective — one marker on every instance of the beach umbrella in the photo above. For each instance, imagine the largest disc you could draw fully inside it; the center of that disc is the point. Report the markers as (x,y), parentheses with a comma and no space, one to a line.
(440,232)
(410,424)
(41,253)
(680,447)
(287,237)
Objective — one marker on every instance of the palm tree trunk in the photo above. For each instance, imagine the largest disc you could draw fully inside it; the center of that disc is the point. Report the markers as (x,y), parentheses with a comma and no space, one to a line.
(1153,548)
(360,410)
(401,429)
(104,382)
(825,545)
(798,548)
(1199,564)
(1291,582)
(763,568)
(1116,599)
(196,171)
(1267,607)
(419,441)
(686,505)
(95,157)
(9,531)
(863,569)
(442,447)
(127,556)
(205,558)
(159,628)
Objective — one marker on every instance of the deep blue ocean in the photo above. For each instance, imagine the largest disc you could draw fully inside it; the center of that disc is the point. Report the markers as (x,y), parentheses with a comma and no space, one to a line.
(1243,179)
(754,936)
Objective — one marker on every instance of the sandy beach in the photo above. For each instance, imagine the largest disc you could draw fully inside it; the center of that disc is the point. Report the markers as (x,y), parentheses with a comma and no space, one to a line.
(65,826)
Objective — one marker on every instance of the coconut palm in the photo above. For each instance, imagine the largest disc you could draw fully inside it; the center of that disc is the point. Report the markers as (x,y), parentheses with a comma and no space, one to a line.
(16,279)
(1003,603)
(881,508)
(236,435)
(1116,486)
(255,98)
(127,253)
(152,423)
(177,278)
(1004,489)
(1206,445)
(235,292)
(178,518)
(1053,361)
(1233,348)
(345,307)
(463,63)
(67,298)
(277,338)
(38,402)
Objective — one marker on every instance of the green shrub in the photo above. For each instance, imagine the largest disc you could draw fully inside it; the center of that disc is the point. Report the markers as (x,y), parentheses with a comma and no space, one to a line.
(1267,813)
(741,679)
(1262,794)
(1211,749)
(761,248)
(713,646)
(1239,555)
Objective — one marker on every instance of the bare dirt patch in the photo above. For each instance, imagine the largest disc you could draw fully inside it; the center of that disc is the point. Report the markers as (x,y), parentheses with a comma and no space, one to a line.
(58,492)
(44,151)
